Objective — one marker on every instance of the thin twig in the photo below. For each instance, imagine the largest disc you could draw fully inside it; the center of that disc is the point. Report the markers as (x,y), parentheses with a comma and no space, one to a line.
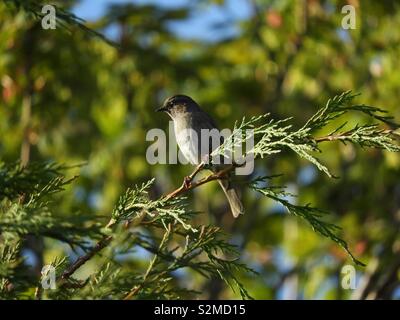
(185,187)
(83,259)
(38,292)
(345,136)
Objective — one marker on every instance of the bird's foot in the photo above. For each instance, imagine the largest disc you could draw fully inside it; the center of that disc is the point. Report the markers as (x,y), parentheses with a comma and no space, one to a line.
(187,181)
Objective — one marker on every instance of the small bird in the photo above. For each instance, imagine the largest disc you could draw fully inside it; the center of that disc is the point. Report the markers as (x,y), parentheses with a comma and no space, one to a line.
(188,117)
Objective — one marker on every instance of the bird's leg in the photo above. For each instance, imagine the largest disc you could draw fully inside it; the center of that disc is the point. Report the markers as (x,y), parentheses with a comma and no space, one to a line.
(188,179)
(196,171)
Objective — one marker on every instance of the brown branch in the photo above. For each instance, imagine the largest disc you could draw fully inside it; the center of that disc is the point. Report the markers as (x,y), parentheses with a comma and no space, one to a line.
(83,259)
(187,185)
(332,138)
(345,136)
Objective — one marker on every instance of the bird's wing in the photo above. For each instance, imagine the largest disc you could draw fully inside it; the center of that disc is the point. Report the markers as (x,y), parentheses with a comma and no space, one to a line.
(203,121)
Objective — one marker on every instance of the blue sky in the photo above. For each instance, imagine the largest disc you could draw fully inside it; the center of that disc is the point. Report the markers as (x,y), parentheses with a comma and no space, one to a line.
(198,26)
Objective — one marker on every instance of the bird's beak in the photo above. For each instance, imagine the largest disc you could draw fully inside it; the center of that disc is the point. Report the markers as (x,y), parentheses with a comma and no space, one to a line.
(160,109)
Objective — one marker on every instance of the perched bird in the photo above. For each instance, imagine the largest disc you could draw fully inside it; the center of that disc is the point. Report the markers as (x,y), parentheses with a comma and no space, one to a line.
(188,118)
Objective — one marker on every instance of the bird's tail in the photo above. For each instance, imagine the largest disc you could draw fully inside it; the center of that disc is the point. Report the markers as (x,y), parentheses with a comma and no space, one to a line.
(233,197)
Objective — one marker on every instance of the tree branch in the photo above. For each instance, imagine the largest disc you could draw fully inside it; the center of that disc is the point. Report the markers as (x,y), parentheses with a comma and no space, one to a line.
(345,135)
(104,242)
(187,185)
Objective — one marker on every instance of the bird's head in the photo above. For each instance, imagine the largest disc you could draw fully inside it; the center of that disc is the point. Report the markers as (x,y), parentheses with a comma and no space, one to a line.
(178,105)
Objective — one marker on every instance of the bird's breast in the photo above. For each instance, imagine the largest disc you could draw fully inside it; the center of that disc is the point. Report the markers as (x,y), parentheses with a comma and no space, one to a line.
(187,140)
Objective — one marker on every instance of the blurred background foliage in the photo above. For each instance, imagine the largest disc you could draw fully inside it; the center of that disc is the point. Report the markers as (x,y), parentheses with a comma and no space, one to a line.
(73,98)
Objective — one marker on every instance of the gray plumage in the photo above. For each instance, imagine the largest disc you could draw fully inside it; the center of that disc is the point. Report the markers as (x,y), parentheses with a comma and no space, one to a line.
(188,120)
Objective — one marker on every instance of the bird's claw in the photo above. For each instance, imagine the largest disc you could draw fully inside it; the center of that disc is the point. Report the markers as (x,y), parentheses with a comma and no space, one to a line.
(187,182)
